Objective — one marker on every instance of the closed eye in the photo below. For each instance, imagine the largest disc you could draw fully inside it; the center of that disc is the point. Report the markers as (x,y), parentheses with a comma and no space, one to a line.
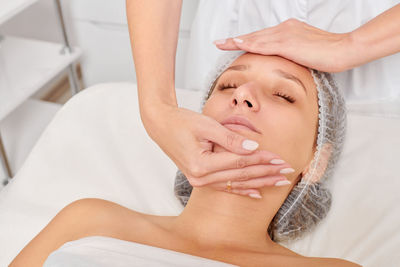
(223,86)
(288,98)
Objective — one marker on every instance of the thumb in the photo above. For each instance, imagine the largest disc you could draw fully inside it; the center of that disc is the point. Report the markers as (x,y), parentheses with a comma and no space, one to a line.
(230,140)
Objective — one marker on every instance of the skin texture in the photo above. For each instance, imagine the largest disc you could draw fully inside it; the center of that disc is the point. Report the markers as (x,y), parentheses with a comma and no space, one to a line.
(215,224)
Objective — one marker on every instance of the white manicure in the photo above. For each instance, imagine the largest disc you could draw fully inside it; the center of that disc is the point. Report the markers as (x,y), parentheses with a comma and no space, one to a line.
(249,144)
(254,195)
(221,41)
(237,40)
(286,170)
(282,183)
(277,161)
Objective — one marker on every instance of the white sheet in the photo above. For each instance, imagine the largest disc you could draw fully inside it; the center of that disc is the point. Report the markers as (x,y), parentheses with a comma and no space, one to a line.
(96,146)
(100,251)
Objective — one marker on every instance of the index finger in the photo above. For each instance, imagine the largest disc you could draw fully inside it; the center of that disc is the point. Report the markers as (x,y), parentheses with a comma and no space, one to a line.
(233,43)
(212,162)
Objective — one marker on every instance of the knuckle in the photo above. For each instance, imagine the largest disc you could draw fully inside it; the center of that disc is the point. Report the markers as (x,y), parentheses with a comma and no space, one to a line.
(253,44)
(241,163)
(230,139)
(262,158)
(241,184)
(196,170)
(270,170)
(259,45)
(244,175)
(291,22)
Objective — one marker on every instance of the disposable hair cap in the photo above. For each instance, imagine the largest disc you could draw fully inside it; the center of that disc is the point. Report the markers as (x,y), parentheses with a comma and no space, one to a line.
(310,200)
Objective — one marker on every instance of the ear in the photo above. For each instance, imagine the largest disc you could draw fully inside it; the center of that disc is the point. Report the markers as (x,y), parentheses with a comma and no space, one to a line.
(325,154)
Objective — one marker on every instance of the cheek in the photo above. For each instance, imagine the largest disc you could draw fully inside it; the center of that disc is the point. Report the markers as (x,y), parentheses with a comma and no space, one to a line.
(212,107)
(292,139)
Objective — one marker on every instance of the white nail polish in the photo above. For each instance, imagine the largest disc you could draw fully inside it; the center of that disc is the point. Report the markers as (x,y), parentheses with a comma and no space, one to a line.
(277,161)
(220,41)
(282,183)
(249,144)
(286,170)
(254,195)
(237,40)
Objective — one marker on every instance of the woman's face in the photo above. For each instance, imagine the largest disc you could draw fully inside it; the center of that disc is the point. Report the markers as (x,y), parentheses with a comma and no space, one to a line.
(278,97)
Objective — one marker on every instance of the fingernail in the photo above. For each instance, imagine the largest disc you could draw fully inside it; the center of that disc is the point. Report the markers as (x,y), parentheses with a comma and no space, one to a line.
(277,161)
(220,41)
(237,40)
(255,195)
(282,183)
(287,170)
(249,144)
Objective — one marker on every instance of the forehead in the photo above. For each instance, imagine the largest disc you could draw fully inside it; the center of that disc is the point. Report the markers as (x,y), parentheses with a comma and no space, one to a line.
(263,63)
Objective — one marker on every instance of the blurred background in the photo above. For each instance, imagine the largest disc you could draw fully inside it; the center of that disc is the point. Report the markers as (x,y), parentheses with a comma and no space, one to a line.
(51,49)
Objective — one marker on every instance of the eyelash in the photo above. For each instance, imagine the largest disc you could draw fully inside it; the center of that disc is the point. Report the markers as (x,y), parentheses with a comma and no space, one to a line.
(223,86)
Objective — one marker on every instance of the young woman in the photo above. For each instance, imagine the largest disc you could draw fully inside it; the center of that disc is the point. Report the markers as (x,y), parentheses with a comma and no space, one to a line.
(264,98)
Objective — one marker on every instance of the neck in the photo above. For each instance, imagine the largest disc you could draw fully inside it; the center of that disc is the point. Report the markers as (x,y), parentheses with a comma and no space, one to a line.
(217,219)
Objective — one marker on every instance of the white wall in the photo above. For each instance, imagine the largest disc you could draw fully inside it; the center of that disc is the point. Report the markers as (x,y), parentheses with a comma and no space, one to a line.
(99,27)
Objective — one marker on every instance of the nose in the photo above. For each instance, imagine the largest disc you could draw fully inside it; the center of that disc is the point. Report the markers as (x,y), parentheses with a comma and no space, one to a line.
(245,97)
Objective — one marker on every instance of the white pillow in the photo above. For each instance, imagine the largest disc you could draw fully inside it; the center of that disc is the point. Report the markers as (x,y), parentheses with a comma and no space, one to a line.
(363,223)
(96,146)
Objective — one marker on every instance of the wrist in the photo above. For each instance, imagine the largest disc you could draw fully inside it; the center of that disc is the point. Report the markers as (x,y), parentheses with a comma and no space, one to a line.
(153,115)
(155,92)
(350,53)
(361,49)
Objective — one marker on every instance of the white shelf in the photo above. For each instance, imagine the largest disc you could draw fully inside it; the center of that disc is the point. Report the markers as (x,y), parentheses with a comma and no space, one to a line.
(26,66)
(9,8)
(22,128)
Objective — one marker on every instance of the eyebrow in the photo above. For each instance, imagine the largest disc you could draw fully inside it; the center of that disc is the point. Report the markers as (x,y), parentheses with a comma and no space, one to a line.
(291,77)
(280,72)
(238,67)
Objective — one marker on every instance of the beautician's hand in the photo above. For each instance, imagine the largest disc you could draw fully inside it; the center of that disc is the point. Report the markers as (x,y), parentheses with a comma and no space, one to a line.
(322,50)
(299,42)
(187,138)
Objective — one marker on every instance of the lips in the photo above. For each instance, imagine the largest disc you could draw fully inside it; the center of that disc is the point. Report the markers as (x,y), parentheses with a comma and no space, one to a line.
(239,122)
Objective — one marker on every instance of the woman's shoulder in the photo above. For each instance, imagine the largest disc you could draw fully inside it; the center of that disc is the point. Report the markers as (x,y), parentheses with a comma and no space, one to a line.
(99,217)
(83,218)
(98,211)
(97,206)
(107,218)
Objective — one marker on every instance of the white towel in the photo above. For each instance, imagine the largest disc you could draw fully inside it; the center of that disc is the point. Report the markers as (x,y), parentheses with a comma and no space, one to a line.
(101,251)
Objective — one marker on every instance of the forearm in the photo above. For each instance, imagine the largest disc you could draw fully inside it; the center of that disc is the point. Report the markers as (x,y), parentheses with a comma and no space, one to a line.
(377,38)
(153,27)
